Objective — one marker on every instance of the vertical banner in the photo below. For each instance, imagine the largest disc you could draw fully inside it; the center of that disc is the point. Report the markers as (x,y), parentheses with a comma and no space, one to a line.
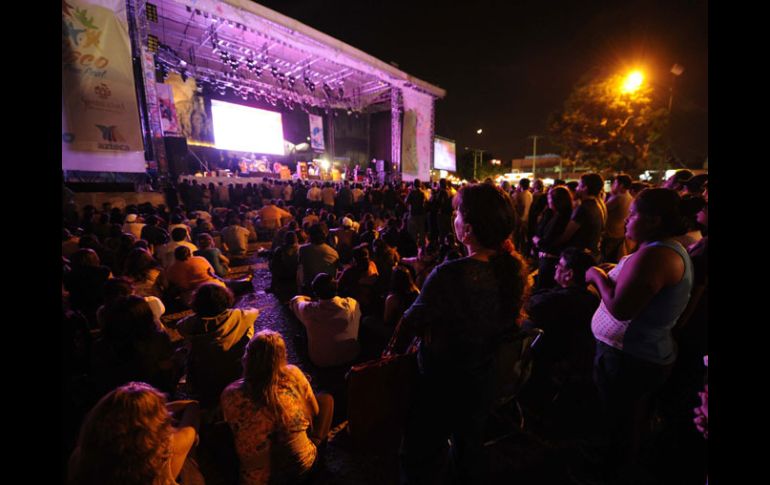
(316,133)
(148,68)
(98,91)
(168,117)
(417,138)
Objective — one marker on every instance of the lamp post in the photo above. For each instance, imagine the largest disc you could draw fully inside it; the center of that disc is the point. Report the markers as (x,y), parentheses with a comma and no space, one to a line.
(677,71)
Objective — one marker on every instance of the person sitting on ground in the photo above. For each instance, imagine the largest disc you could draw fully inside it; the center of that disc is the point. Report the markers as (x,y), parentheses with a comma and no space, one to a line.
(69,244)
(403,292)
(423,264)
(564,314)
(133,225)
(85,282)
(132,346)
(213,255)
(133,436)
(271,217)
(188,272)
(347,239)
(283,268)
(153,233)
(359,280)
(216,336)
(235,237)
(144,272)
(121,287)
(276,419)
(331,322)
(165,253)
(316,257)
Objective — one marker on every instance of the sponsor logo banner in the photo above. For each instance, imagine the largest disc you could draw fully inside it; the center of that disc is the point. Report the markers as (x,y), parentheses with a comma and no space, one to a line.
(99,98)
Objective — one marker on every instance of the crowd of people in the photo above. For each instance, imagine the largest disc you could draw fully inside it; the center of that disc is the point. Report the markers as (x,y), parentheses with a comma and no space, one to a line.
(617,282)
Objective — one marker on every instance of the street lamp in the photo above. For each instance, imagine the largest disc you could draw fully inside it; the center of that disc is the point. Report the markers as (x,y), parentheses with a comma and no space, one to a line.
(677,71)
(632,82)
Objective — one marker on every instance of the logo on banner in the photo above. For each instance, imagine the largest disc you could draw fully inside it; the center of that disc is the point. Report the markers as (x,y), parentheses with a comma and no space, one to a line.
(110,133)
(80,32)
(102,90)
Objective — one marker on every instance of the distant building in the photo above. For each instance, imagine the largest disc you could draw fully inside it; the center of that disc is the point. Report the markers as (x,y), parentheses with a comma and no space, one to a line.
(546,165)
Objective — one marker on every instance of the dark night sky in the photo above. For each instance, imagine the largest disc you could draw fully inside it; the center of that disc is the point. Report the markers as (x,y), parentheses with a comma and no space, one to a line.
(506,66)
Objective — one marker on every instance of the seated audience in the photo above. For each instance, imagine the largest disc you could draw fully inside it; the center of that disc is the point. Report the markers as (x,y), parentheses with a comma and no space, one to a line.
(316,257)
(165,253)
(216,336)
(213,255)
(331,322)
(188,272)
(133,436)
(276,420)
(359,280)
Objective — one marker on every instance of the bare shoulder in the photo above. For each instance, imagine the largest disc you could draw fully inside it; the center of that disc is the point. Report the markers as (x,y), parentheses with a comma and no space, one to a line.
(660,260)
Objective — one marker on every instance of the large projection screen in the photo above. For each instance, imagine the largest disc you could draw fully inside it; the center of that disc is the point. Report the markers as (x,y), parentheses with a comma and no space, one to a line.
(444,155)
(244,129)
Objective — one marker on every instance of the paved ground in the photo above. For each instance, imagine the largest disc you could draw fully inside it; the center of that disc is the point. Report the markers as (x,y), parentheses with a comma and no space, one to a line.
(549,451)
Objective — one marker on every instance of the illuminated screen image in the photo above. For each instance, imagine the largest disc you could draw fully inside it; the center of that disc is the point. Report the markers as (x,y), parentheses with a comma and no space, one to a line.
(244,129)
(444,155)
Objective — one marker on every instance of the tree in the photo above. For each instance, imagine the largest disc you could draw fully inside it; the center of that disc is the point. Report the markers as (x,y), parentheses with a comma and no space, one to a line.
(607,129)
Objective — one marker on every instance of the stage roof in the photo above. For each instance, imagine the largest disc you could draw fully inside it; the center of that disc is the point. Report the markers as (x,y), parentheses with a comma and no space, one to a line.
(257,52)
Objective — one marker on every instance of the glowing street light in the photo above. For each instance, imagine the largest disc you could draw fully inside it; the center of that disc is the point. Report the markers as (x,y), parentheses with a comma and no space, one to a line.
(632,82)
(478,132)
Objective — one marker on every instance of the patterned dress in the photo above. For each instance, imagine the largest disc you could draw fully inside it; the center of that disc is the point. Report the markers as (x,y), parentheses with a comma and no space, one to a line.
(269,450)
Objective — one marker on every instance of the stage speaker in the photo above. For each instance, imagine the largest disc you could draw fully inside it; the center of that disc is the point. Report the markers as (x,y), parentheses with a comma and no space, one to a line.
(176,154)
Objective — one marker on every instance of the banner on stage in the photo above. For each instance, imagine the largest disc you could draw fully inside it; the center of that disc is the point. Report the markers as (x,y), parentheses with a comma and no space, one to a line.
(316,132)
(98,90)
(168,118)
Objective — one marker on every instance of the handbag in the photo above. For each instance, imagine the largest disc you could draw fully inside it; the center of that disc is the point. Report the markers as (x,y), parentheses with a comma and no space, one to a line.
(379,394)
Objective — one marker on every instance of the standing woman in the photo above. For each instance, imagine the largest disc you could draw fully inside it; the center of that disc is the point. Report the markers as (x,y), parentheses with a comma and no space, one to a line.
(276,419)
(642,299)
(465,308)
(549,230)
(130,437)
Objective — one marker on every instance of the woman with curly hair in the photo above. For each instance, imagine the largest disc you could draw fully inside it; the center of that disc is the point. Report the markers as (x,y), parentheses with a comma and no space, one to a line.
(129,438)
(276,419)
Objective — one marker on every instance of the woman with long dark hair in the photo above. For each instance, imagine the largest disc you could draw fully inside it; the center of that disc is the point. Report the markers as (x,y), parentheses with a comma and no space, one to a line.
(465,309)
(642,299)
(276,419)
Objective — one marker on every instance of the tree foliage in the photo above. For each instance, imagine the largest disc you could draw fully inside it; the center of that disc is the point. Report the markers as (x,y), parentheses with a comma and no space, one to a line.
(606,129)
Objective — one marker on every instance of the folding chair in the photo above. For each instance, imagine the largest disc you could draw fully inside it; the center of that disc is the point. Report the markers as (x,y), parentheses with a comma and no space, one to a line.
(515,366)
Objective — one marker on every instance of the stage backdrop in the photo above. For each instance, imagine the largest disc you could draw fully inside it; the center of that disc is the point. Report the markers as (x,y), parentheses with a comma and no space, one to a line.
(100,118)
(417,136)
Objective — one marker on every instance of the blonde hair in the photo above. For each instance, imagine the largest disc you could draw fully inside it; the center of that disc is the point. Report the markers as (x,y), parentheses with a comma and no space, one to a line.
(264,365)
(125,439)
